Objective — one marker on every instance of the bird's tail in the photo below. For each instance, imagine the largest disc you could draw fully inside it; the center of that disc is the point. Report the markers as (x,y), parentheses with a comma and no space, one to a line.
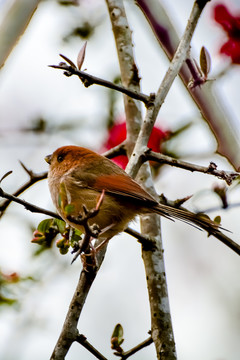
(199,220)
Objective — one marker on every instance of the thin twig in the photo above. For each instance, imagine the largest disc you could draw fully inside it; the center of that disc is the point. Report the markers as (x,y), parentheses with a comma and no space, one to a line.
(146,242)
(116,151)
(81,339)
(228,176)
(91,231)
(28,206)
(89,80)
(36,209)
(135,349)
(33,178)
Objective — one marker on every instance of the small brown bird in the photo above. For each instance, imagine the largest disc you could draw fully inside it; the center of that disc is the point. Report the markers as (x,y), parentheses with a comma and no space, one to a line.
(78,176)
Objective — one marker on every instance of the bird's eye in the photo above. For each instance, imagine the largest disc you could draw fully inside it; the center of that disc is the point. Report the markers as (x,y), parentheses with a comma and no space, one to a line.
(60,158)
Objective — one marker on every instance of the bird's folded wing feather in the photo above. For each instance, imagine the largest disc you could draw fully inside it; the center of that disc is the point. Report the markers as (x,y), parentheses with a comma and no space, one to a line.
(118,184)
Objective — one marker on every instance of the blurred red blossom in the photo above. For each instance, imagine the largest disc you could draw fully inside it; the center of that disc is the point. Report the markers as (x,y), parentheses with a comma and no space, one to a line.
(231,25)
(117,134)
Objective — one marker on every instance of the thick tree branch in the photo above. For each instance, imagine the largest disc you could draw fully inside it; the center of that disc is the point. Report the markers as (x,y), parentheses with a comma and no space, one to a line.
(162,333)
(160,317)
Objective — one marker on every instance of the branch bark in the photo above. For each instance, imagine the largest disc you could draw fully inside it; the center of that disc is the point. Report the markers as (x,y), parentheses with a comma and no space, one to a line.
(173,70)
(228,176)
(162,333)
(156,280)
(69,332)
(89,80)
(206,98)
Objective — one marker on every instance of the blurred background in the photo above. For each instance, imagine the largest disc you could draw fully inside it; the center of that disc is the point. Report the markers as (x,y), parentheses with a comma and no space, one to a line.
(40,110)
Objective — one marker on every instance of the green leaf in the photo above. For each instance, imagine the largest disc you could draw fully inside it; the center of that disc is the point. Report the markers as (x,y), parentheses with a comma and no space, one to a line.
(45,225)
(61,225)
(76,236)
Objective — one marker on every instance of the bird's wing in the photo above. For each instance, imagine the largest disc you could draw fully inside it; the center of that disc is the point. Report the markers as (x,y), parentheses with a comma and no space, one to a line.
(118,184)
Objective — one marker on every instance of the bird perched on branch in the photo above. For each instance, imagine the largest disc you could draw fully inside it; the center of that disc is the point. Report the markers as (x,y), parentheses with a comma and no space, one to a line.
(77,177)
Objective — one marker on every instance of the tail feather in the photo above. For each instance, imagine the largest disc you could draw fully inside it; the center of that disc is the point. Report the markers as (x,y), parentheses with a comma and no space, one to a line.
(200,220)
(197,220)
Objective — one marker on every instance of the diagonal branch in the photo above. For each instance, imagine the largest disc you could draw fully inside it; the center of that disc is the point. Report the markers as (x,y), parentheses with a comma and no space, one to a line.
(69,332)
(173,70)
(207,100)
(33,178)
(135,349)
(81,339)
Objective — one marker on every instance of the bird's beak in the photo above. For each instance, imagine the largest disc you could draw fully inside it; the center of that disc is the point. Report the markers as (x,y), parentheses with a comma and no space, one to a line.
(48,159)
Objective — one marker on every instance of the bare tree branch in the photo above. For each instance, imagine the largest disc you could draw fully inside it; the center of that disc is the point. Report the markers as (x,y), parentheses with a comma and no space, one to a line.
(135,349)
(69,332)
(206,98)
(228,176)
(33,178)
(162,333)
(89,80)
(173,70)
(116,151)
(81,339)
(147,242)
(160,318)
(27,205)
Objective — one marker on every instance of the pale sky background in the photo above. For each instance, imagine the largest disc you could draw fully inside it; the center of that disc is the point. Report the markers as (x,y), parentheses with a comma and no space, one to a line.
(203,274)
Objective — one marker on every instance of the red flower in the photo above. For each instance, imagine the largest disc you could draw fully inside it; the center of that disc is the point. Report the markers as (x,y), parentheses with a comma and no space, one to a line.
(231,25)
(117,134)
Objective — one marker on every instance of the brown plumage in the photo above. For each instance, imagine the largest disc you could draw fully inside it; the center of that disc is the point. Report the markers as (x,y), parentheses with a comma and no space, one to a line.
(77,177)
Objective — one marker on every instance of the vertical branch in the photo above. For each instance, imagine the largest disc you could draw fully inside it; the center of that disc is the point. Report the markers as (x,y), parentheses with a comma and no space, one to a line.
(162,333)
(150,225)
(128,68)
(69,331)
